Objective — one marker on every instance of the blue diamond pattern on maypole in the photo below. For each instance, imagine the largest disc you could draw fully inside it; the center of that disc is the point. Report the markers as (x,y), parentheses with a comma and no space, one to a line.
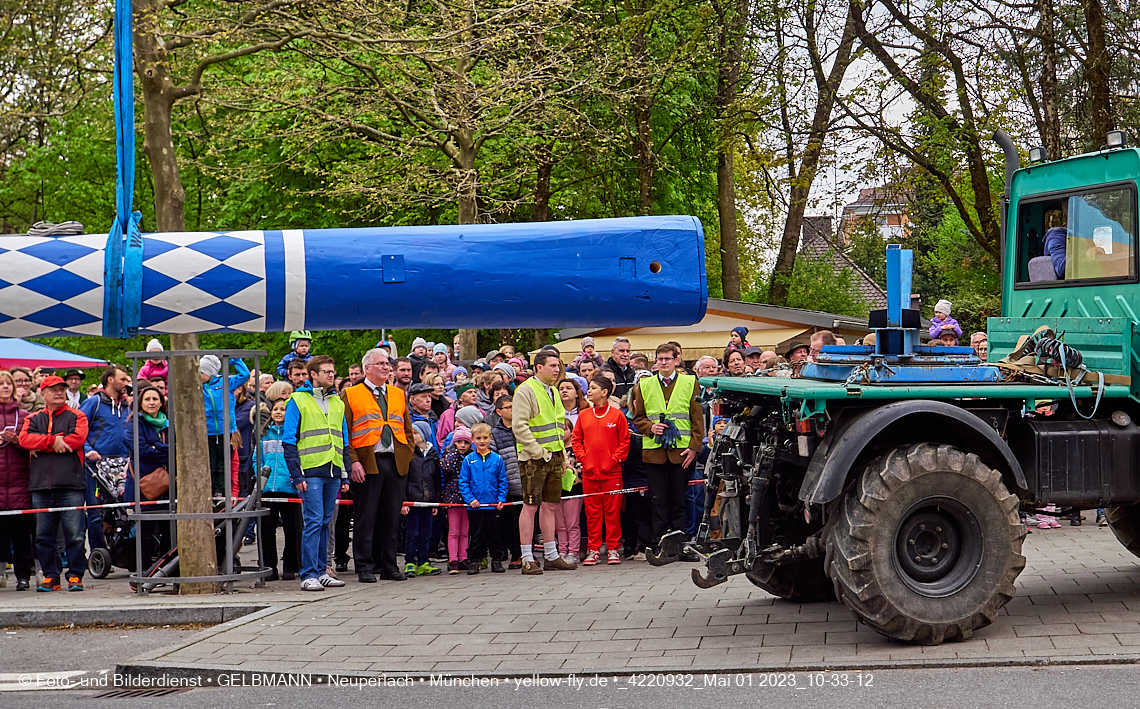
(37,276)
(222,247)
(204,282)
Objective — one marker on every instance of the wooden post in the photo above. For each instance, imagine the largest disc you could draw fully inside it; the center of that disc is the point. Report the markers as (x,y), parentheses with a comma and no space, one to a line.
(196,553)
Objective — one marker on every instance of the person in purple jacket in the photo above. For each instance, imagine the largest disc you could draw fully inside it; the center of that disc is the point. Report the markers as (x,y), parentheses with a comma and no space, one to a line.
(942,322)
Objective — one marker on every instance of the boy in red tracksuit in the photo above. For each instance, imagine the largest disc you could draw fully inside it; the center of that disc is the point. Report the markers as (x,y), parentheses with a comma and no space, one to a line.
(601,443)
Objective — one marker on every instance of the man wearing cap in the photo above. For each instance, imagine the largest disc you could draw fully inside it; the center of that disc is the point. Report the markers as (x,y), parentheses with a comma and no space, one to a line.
(538,420)
(752,357)
(75,395)
(419,404)
(797,353)
(668,396)
(381,451)
(57,478)
(494,357)
(219,405)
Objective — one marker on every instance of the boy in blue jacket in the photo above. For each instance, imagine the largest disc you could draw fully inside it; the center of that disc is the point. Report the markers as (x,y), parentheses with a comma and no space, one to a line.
(483,485)
(214,387)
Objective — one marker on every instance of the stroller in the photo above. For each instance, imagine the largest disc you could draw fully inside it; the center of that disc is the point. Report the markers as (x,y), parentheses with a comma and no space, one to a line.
(118,530)
(165,569)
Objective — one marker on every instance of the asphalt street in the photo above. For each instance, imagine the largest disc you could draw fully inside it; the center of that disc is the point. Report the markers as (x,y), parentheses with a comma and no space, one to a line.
(992,688)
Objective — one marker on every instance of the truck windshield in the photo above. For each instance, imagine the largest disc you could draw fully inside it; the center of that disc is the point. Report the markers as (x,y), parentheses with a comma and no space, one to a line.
(1074,237)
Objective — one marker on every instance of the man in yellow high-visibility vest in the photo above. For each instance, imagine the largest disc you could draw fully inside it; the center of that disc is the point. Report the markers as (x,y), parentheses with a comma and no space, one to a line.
(315,442)
(539,424)
(668,396)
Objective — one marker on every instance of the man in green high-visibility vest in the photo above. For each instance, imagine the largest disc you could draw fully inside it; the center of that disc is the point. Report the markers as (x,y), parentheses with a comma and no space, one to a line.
(316,447)
(668,397)
(539,424)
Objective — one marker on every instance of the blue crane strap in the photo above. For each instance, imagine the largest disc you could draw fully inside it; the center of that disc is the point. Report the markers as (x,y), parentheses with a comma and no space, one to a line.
(122,299)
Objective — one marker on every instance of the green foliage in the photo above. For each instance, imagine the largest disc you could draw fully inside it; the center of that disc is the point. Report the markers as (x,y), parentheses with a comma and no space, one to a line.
(816,285)
(866,247)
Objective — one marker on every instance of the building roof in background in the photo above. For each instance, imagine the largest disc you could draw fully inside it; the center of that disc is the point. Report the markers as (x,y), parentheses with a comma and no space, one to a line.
(818,242)
(769,327)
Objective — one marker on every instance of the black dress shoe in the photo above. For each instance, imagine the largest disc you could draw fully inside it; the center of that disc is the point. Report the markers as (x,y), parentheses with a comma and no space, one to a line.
(341,568)
(366,577)
(689,556)
(395,576)
(497,567)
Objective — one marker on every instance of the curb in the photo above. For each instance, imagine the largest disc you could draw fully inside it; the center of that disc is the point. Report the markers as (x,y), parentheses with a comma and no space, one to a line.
(250,676)
(154,615)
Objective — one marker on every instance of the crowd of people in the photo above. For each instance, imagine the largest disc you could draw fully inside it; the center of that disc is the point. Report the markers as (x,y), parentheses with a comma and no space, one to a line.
(501,464)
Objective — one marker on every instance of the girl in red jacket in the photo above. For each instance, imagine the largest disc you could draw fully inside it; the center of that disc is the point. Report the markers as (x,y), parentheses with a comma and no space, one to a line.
(601,443)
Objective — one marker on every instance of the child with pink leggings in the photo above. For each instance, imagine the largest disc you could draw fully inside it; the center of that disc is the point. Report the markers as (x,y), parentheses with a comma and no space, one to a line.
(456,516)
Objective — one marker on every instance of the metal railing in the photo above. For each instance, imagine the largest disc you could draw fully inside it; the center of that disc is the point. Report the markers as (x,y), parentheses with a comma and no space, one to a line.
(148,575)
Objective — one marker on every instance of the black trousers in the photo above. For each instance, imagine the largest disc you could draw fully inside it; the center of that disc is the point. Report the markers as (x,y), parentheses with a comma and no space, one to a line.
(219,466)
(343,521)
(635,523)
(484,535)
(18,533)
(668,485)
(288,516)
(376,506)
(509,524)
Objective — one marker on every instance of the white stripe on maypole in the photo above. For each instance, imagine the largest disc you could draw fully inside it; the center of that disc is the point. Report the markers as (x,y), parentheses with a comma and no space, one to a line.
(294,240)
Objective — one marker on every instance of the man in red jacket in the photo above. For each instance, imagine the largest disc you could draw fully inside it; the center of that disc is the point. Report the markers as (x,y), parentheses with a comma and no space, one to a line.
(54,438)
(601,442)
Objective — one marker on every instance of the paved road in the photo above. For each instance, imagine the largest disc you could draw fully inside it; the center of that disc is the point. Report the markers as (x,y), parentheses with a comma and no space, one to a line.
(1078,598)
(993,688)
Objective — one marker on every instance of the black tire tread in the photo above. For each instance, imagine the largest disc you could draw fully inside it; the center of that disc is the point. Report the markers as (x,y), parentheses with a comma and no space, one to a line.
(850,551)
(805,582)
(1124,521)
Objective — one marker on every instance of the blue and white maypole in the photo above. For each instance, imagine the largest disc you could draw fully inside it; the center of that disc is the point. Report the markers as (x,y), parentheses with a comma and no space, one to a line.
(625,272)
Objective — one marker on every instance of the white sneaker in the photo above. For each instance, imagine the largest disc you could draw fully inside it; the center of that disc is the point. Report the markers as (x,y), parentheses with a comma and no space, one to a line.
(571,558)
(326,580)
(614,557)
(592,558)
(311,584)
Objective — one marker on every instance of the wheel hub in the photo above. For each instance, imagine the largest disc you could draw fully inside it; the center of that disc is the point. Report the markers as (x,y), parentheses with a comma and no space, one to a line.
(938,547)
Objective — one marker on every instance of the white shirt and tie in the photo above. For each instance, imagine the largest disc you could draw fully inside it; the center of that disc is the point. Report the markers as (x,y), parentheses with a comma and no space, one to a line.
(380,391)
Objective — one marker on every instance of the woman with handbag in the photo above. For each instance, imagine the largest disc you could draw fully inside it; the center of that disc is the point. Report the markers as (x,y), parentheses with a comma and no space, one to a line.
(154,462)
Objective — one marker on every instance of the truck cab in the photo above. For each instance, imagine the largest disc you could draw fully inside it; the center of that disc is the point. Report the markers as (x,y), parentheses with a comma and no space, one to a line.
(890,474)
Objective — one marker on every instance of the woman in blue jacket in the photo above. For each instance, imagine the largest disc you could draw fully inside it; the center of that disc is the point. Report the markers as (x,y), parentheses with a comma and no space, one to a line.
(154,453)
(280,485)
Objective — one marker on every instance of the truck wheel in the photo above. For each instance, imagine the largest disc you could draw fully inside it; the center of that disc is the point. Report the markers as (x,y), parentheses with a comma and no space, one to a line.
(804,582)
(927,545)
(1125,524)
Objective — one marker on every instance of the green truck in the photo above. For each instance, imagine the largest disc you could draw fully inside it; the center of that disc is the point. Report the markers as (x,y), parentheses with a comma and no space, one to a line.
(891,475)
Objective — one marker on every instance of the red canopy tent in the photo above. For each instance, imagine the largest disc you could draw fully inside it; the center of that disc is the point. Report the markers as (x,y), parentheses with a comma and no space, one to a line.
(15,352)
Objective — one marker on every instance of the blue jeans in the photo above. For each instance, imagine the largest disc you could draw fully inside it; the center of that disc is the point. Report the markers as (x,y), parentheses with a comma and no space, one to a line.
(94,517)
(417,533)
(47,529)
(317,502)
(695,502)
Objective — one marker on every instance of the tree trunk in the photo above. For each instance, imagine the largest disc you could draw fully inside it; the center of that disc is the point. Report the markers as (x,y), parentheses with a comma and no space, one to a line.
(733,17)
(1050,102)
(1102,118)
(542,183)
(726,211)
(197,556)
(827,92)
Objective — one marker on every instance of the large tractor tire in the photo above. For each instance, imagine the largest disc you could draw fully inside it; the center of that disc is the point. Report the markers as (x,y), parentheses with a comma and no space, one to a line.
(804,582)
(927,545)
(1125,524)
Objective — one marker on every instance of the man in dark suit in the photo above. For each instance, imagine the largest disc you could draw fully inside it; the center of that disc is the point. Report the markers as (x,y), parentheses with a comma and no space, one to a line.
(378,420)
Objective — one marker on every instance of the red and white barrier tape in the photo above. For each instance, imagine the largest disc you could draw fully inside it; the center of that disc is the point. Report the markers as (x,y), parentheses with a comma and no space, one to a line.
(5,513)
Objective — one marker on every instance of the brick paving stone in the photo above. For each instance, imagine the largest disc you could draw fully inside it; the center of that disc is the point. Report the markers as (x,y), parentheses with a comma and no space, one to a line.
(1080,594)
